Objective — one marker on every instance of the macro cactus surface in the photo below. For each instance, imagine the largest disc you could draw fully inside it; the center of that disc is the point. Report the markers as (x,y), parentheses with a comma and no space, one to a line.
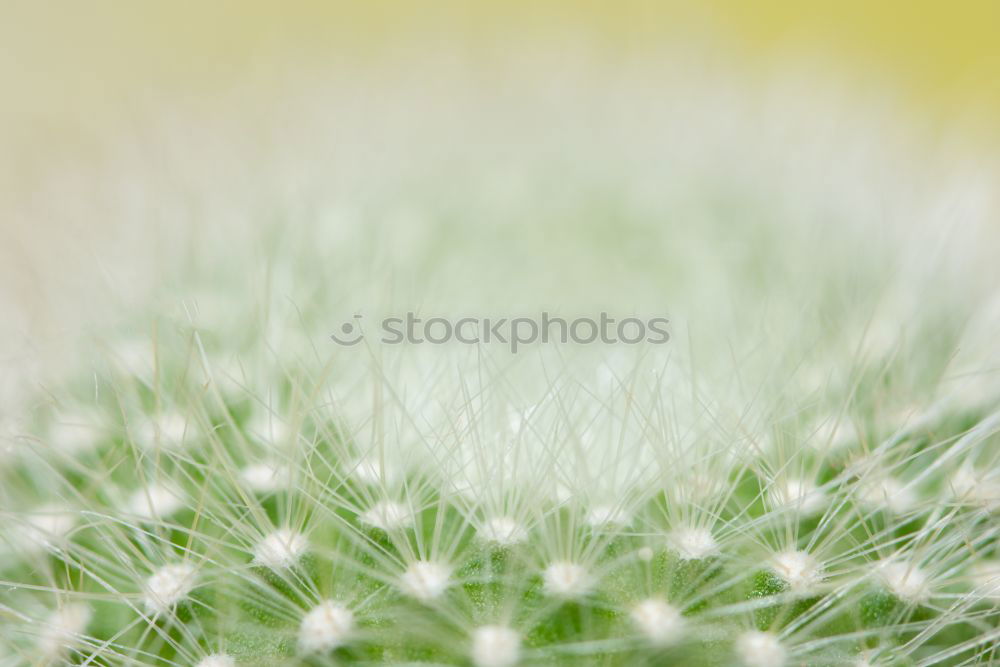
(806,473)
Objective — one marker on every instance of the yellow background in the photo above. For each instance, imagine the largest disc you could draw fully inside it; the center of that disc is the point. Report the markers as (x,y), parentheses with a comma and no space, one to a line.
(68,65)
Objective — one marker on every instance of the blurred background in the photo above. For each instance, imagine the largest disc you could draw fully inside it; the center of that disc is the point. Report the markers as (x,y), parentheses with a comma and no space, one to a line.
(70,66)
(114,112)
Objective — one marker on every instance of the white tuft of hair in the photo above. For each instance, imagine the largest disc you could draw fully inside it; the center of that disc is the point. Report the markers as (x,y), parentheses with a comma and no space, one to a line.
(266,477)
(387,515)
(986,580)
(425,580)
(798,569)
(369,470)
(800,495)
(502,530)
(693,543)
(168,586)
(281,549)
(169,430)
(760,649)
(47,526)
(975,488)
(904,580)
(495,646)
(62,630)
(327,626)
(155,501)
(660,622)
(565,579)
(887,493)
(607,516)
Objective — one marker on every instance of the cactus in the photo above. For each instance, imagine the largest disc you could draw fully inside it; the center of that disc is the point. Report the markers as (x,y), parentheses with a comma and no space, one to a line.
(805,474)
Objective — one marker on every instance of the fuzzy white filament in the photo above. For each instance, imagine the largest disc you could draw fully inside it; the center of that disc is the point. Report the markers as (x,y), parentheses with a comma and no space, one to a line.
(760,649)
(986,580)
(798,495)
(607,516)
(266,477)
(281,549)
(168,586)
(327,626)
(832,435)
(48,526)
(798,569)
(887,493)
(155,501)
(387,515)
(976,488)
(217,660)
(693,543)
(77,432)
(503,531)
(169,430)
(660,622)
(565,579)
(495,646)
(370,470)
(268,429)
(425,580)
(904,580)
(63,629)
